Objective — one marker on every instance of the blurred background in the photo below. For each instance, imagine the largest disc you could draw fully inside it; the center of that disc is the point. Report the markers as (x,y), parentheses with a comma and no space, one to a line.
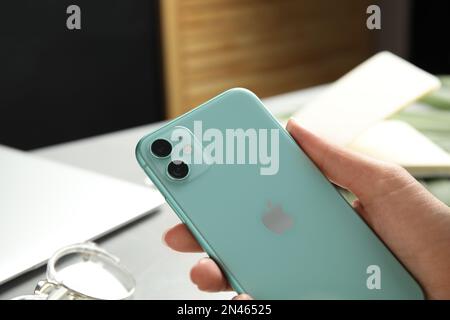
(139,61)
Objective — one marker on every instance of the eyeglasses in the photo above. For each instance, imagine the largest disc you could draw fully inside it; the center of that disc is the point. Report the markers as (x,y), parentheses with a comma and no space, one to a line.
(84,272)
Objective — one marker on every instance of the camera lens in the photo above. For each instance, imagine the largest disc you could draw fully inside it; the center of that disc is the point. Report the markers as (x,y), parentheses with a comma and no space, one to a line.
(161,148)
(177,169)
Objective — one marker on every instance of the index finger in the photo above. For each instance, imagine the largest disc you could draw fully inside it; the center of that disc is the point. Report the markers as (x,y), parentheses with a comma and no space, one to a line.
(179,238)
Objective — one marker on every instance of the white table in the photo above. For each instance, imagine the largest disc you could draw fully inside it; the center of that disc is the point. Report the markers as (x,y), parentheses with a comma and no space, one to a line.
(159,272)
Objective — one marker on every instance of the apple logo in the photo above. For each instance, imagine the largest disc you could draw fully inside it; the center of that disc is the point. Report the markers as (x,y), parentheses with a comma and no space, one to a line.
(276,220)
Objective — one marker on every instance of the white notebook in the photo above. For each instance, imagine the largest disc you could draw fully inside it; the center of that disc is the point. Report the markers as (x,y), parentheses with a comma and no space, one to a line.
(352,113)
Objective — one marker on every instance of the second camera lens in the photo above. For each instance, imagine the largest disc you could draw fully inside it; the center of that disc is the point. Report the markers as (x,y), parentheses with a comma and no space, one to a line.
(177,169)
(161,148)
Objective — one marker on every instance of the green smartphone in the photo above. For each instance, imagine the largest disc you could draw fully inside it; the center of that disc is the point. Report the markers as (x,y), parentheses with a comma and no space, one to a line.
(263,211)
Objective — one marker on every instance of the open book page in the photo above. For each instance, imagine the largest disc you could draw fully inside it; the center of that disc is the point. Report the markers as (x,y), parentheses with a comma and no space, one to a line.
(398,142)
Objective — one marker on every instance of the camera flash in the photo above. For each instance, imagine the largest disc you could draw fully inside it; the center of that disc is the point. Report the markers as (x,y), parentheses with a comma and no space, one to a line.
(187,149)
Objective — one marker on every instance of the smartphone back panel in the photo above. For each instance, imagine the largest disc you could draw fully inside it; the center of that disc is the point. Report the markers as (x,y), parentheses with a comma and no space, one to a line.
(288,235)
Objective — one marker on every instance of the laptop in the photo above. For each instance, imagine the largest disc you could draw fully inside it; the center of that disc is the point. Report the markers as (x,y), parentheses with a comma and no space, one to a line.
(45,205)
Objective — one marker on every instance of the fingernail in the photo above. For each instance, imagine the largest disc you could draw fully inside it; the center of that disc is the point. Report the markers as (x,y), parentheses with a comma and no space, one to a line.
(290,123)
(163,239)
(203,260)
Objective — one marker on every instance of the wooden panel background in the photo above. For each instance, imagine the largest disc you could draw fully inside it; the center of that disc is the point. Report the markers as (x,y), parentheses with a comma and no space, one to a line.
(267,46)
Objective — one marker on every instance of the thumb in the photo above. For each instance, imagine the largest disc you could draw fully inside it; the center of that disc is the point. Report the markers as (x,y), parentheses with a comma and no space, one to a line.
(347,169)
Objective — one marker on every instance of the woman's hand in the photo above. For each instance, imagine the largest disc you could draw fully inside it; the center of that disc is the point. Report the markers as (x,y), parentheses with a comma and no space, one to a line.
(410,220)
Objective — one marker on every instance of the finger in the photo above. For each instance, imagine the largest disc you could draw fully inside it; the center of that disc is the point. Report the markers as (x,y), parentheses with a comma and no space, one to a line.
(243,296)
(347,169)
(208,276)
(358,206)
(179,238)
